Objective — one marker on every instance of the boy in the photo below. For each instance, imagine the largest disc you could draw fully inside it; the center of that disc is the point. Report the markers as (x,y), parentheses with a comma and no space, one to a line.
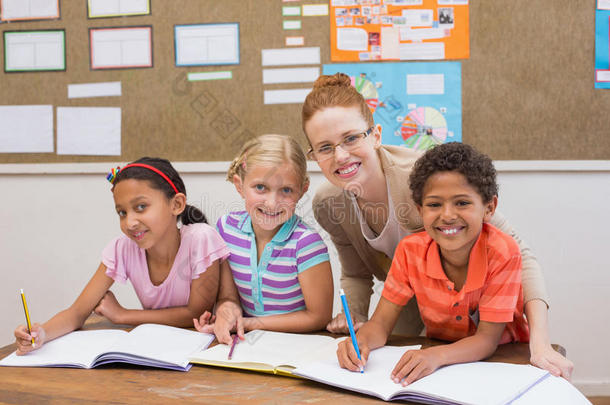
(465,274)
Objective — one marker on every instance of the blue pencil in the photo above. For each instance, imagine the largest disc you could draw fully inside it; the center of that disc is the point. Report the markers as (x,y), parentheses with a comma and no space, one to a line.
(350,325)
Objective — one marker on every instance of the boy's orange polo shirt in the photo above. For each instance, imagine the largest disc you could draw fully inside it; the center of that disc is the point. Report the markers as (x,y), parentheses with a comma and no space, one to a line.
(492,291)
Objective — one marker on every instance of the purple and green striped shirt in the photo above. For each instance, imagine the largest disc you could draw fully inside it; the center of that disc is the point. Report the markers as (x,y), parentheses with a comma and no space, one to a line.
(272,285)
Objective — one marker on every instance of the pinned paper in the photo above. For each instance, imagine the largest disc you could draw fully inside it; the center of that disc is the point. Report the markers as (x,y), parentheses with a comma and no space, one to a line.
(116,8)
(291,24)
(23,10)
(291,56)
(102,89)
(291,11)
(34,50)
(290,75)
(89,131)
(295,41)
(315,9)
(291,96)
(26,128)
(198,76)
(352,39)
(207,44)
(113,48)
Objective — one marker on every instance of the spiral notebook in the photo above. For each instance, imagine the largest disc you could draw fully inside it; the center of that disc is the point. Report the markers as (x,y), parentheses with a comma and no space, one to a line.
(149,345)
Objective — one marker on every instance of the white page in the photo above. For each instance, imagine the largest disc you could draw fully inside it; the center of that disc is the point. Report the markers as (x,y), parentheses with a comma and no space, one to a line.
(29,9)
(198,76)
(207,44)
(102,8)
(76,348)
(26,128)
(389,43)
(291,24)
(121,47)
(161,342)
(418,18)
(603,4)
(552,390)
(265,347)
(291,56)
(422,51)
(315,9)
(295,41)
(89,131)
(602,75)
(285,96)
(352,39)
(422,84)
(419,34)
(472,383)
(34,50)
(101,89)
(290,75)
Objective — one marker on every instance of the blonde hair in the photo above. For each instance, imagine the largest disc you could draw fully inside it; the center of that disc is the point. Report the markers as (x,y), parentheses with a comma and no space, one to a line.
(334,91)
(269,150)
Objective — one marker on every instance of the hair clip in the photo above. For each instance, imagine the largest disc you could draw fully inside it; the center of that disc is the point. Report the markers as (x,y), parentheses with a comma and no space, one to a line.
(111,177)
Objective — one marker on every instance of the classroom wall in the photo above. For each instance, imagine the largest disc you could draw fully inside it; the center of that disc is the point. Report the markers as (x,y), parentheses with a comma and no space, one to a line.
(53,227)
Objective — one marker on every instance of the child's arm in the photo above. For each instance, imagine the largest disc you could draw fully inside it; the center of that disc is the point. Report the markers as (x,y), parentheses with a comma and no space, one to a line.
(201,298)
(373,334)
(228,310)
(317,287)
(415,364)
(542,353)
(69,319)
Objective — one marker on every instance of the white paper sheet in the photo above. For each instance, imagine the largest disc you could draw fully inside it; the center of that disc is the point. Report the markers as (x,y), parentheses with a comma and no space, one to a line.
(315,9)
(29,9)
(198,76)
(603,4)
(390,43)
(291,24)
(291,56)
(207,44)
(34,50)
(102,89)
(352,39)
(121,47)
(418,18)
(295,41)
(89,131)
(602,75)
(107,8)
(290,96)
(419,34)
(422,51)
(552,390)
(290,75)
(291,11)
(425,84)
(26,128)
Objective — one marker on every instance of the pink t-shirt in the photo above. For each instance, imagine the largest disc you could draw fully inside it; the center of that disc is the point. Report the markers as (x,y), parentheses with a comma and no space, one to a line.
(200,246)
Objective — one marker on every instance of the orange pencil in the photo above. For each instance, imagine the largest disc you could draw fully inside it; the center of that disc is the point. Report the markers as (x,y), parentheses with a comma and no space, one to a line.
(27,315)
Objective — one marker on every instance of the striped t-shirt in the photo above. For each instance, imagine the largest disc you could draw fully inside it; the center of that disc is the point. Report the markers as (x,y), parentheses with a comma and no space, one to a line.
(272,285)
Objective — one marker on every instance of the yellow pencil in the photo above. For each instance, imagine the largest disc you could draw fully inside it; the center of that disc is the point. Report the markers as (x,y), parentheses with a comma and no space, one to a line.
(27,315)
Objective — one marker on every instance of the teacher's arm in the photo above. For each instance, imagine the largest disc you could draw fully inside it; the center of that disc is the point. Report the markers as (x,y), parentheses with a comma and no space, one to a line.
(536,301)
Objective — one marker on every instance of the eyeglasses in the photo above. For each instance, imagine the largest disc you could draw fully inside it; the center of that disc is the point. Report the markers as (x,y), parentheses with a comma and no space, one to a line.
(348,144)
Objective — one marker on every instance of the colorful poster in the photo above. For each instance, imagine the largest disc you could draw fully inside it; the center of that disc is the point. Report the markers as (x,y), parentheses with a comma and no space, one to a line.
(602,46)
(418,105)
(368,30)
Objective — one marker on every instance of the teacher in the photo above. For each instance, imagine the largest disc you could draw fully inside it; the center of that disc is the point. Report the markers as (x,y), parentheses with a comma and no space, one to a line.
(366,208)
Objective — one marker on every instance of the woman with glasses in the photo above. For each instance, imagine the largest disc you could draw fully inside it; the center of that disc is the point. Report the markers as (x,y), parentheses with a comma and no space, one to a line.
(366,207)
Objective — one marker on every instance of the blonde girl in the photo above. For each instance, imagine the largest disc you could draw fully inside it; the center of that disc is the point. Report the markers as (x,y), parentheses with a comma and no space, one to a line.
(278,274)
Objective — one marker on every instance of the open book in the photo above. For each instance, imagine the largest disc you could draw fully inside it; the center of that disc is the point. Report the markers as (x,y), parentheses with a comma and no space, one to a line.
(146,345)
(271,352)
(468,383)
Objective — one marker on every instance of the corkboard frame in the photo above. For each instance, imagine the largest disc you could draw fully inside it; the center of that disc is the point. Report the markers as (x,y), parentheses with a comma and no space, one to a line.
(527,87)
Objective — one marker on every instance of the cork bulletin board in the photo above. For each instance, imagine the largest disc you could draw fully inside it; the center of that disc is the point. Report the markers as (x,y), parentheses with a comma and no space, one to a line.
(527,88)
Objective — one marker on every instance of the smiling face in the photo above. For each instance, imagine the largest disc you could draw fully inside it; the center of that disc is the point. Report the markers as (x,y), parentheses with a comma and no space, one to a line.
(453,212)
(271,194)
(348,170)
(146,215)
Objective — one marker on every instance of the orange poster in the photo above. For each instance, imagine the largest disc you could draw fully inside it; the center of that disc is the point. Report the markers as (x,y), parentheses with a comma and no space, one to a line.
(367,30)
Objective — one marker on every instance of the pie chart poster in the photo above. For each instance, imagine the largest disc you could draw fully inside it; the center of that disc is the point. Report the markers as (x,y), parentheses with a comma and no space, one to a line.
(418,104)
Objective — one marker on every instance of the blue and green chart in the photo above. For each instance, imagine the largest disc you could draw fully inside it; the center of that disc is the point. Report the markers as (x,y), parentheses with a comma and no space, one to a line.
(418,105)
(602,50)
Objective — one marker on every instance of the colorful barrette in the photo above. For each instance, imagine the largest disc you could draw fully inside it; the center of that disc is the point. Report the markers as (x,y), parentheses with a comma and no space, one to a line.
(111,177)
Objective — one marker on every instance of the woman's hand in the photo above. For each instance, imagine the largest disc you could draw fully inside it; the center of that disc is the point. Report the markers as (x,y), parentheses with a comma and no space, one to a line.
(110,308)
(24,339)
(545,357)
(339,324)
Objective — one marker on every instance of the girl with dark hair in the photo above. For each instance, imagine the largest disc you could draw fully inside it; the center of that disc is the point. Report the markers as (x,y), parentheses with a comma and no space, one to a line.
(173,269)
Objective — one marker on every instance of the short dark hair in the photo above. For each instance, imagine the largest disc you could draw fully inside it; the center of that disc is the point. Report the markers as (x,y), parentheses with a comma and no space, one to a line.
(455,157)
(191,214)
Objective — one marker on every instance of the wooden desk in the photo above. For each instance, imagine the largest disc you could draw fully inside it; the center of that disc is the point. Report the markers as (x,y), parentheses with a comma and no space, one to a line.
(118,383)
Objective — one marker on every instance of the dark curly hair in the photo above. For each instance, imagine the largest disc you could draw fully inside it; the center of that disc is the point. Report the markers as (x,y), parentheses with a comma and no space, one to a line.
(191,214)
(455,156)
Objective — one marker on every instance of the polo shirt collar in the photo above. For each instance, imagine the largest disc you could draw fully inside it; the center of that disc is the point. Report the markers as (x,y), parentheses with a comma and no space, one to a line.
(286,230)
(477,263)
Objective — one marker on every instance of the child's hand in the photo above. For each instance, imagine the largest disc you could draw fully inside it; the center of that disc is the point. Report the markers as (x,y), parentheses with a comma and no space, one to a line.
(110,307)
(24,339)
(228,318)
(545,357)
(415,364)
(205,323)
(339,324)
(347,357)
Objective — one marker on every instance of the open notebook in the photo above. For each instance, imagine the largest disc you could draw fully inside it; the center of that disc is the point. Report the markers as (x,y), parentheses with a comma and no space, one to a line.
(146,345)
(469,383)
(271,352)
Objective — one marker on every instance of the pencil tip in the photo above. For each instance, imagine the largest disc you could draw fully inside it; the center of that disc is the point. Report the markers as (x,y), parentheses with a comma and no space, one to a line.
(22,291)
